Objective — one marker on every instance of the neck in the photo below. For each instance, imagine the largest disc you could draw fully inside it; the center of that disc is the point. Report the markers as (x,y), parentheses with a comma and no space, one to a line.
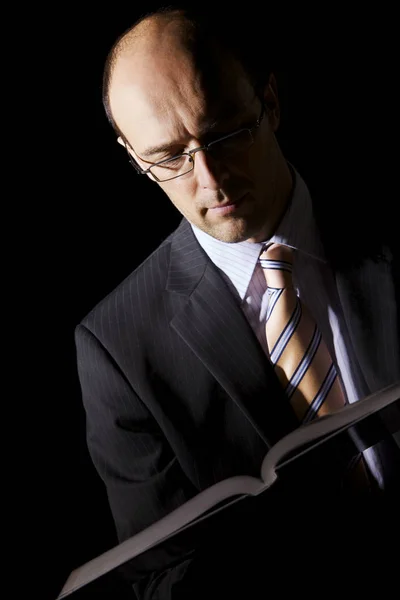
(284,187)
(284,194)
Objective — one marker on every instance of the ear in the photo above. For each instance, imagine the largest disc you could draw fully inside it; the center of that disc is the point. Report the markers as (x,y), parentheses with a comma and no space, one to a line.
(272,102)
(121,141)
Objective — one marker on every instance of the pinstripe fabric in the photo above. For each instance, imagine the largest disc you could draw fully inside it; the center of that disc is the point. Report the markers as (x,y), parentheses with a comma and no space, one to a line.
(340,311)
(177,389)
(156,377)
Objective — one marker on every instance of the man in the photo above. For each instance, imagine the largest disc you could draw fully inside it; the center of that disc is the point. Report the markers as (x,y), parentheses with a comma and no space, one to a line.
(174,364)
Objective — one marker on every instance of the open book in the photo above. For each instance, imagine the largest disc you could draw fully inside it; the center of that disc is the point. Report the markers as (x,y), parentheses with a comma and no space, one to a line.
(300,441)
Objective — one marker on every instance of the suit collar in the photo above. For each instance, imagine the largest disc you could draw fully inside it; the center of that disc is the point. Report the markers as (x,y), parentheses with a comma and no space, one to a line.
(213,325)
(188,261)
(297,229)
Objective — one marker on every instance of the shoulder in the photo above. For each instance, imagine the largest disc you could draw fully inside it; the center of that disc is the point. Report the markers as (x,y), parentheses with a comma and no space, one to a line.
(140,288)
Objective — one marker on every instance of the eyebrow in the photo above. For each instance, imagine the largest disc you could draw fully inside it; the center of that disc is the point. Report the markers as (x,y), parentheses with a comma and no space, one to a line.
(148,152)
(206,128)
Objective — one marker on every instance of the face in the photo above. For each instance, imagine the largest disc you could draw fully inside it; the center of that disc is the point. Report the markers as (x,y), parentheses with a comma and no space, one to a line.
(164,106)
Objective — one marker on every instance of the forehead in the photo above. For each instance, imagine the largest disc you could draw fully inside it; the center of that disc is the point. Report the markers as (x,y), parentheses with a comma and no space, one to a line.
(160,95)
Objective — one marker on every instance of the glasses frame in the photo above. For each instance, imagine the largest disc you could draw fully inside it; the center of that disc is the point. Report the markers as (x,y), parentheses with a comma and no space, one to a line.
(191,153)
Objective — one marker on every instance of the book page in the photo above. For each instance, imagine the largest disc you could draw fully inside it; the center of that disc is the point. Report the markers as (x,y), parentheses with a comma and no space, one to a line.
(325,427)
(161,530)
(208,501)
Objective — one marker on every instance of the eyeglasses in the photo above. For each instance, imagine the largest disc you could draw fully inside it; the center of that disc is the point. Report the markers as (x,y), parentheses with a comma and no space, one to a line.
(223,148)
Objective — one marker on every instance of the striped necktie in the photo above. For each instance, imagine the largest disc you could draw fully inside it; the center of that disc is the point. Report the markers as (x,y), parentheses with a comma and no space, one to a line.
(298,352)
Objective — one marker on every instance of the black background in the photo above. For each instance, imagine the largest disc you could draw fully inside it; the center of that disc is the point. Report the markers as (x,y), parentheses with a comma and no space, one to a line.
(86,220)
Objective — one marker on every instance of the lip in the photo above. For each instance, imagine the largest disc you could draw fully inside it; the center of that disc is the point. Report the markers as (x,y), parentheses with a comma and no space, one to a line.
(224,209)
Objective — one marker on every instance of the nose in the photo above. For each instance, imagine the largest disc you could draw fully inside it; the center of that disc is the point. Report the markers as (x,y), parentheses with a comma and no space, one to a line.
(210,172)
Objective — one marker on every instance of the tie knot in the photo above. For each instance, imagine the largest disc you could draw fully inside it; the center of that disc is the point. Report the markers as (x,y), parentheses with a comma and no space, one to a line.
(277,264)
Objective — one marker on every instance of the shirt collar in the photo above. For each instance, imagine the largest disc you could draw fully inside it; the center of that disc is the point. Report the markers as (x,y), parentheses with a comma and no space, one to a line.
(296,229)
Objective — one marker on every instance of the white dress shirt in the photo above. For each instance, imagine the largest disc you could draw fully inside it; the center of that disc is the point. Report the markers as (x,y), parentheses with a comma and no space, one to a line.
(313,280)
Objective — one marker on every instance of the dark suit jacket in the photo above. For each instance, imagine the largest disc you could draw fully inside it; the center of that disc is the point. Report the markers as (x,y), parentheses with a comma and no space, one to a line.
(179,393)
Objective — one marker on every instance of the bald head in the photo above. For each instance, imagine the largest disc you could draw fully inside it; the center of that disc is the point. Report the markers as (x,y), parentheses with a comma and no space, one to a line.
(157,43)
(142,54)
(179,82)
(150,34)
(150,61)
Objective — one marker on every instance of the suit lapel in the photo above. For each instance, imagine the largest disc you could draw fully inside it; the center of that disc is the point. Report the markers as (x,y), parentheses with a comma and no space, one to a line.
(368,298)
(367,284)
(215,328)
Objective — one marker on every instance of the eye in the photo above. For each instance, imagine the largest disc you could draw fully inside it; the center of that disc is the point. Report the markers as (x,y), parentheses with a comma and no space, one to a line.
(169,154)
(173,161)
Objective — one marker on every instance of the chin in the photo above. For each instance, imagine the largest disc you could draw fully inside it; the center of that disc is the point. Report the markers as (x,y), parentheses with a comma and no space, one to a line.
(233,232)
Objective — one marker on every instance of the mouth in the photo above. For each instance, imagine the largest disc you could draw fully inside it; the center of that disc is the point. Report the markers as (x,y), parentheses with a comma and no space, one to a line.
(229,207)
